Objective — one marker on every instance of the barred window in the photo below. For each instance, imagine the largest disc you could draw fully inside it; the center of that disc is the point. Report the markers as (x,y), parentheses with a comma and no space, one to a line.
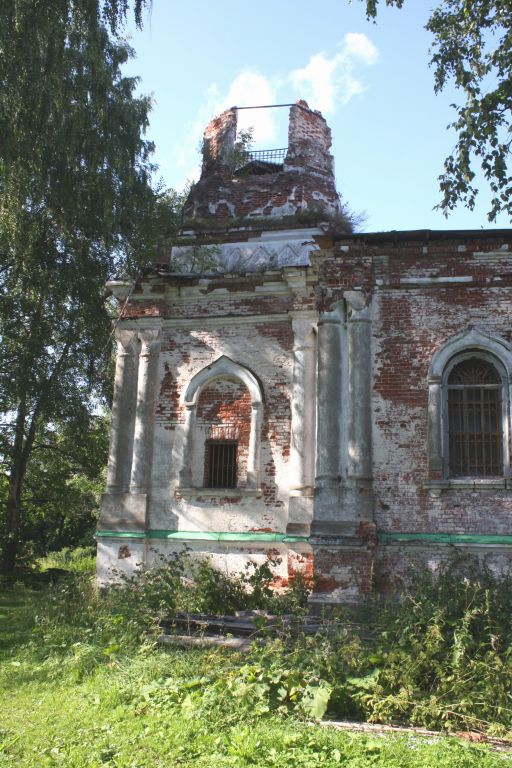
(221,463)
(475,425)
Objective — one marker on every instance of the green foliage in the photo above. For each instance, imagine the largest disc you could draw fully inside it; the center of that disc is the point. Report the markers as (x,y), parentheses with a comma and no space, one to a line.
(76,560)
(92,689)
(89,692)
(64,483)
(76,206)
(446,651)
(185,583)
(235,158)
(441,658)
(201,259)
(262,685)
(471,47)
(241,153)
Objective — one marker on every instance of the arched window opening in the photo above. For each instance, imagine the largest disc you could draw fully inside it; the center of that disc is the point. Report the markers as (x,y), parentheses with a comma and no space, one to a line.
(223,427)
(475,419)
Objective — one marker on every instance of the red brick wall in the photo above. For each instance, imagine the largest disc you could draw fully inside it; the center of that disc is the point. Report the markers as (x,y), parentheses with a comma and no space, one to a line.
(264,348)
(410,322)
(224,412)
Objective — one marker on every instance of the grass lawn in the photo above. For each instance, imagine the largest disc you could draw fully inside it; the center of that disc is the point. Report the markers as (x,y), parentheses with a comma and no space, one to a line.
(71,695)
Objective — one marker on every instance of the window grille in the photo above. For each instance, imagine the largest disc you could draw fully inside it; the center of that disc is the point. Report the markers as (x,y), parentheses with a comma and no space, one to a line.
(475,431)
(221,458)
(273,156)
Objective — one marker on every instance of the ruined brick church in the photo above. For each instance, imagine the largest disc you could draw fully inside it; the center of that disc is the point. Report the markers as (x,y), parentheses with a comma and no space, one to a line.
(285,388)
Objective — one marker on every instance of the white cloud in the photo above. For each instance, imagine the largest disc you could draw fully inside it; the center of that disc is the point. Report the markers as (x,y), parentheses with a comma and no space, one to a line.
(360,46)
(326,82)
(247,90)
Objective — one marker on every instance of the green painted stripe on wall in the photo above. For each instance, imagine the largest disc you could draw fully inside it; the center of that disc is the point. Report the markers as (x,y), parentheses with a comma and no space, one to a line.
(120,534)
(383,536)
(204,536)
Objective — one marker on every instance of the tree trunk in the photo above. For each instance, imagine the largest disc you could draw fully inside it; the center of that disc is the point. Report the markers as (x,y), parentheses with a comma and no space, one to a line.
(21,449)
(24,437)
(17,468)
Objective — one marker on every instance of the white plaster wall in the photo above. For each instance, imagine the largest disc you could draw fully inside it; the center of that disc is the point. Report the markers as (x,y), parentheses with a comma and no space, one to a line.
(194,348)
(110,566)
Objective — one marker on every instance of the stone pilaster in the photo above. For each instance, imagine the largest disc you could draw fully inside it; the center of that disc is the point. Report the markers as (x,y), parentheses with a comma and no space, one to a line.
(435,437)
(329,436)
(188,446)
(303,426)
(123,507)
(253,461)
(143,431)
(123,412)
(358,495)
(343,530)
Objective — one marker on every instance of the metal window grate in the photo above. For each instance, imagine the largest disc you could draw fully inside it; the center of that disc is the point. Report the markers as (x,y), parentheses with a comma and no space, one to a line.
(221,463)
(475,429)
(274,156)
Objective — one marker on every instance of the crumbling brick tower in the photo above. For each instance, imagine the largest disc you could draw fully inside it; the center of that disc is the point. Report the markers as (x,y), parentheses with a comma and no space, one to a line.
(235,185)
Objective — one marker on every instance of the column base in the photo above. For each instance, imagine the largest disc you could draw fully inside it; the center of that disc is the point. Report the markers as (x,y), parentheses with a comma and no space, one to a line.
(123,512)
(300,510)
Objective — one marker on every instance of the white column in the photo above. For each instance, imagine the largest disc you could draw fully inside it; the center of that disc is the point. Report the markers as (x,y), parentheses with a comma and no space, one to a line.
(358,491)
(123,412)
(435,436)
(329,401)
(143,432)
(359,386)
(302,451)
(327,510)
(188,446)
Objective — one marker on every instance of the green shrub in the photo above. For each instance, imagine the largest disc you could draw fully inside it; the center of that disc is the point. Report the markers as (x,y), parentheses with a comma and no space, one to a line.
(75,560)
(185,583)
(441,657)
(446,651)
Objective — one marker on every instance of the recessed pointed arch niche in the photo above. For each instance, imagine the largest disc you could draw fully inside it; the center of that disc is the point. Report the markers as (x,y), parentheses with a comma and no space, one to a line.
(223,404)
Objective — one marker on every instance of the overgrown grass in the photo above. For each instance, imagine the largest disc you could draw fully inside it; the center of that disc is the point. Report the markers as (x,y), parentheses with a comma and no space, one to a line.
(84,684)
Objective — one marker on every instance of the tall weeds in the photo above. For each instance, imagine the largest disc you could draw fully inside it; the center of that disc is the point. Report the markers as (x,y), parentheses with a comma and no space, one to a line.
(440,656)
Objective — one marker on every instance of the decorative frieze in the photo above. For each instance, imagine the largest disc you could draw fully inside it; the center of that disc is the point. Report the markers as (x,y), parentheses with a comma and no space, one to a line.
(243,256)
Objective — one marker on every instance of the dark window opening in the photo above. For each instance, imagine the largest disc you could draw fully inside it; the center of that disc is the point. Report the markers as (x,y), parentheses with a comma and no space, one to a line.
(221,463)
(475,430)
(261,162)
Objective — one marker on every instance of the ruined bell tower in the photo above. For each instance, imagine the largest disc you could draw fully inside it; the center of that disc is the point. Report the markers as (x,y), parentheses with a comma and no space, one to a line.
(239,184)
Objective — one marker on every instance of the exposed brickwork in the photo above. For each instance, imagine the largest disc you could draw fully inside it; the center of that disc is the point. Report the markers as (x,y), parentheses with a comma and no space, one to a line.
(224,413)
(384,304)
(219,141)
(304,182)
(410,322)
(423,289)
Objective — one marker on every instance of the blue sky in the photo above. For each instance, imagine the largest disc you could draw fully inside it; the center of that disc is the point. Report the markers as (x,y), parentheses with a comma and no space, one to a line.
(371,81)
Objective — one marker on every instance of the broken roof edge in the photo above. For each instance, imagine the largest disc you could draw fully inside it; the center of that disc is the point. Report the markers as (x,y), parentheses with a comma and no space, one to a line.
(425,234)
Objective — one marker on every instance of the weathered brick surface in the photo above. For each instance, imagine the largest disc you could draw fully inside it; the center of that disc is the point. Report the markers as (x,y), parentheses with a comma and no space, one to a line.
(423,289)
(223,411)
(304,181)
(410,322)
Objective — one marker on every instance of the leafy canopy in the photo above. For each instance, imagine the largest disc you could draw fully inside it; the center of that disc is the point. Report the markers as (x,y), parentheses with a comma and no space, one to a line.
(472,47)
(76,207)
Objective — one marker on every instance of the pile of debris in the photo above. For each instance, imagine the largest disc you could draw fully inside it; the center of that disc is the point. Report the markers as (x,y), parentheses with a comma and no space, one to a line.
(238,631)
